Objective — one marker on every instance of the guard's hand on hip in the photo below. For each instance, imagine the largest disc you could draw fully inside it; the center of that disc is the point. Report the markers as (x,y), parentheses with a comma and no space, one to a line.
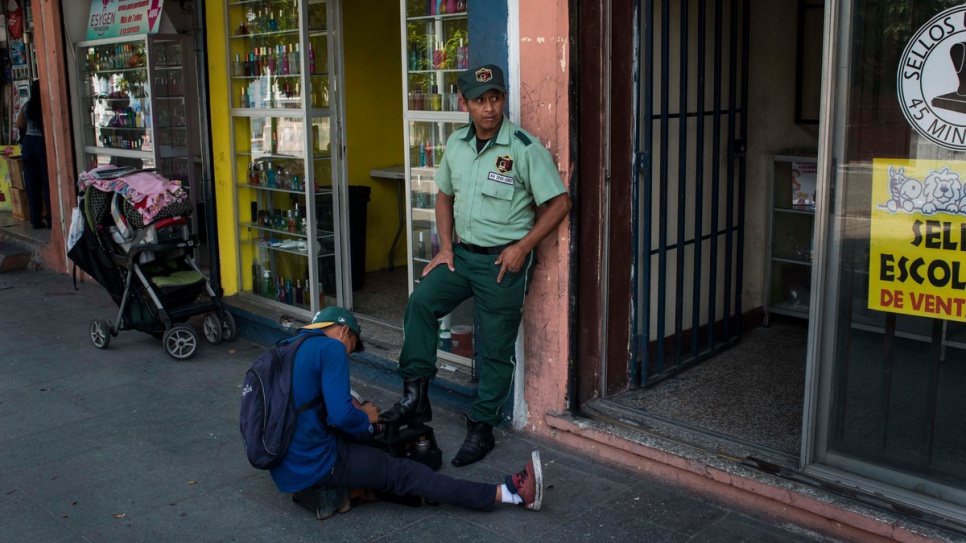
(511,259)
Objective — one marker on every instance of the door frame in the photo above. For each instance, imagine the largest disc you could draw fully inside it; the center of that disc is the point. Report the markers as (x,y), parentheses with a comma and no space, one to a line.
(603,136)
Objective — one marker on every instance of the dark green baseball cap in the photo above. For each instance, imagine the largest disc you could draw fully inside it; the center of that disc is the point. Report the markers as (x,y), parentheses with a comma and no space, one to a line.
(333,314)
(475,81)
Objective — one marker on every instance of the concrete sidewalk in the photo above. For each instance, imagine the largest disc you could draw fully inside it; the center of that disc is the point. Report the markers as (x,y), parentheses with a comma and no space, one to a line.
(127,444)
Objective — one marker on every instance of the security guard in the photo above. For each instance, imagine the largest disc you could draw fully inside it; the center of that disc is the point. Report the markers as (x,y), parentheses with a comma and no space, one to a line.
(500,191)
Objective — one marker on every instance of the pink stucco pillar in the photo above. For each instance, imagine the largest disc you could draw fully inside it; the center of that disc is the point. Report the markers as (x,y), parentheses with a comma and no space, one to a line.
(544,110)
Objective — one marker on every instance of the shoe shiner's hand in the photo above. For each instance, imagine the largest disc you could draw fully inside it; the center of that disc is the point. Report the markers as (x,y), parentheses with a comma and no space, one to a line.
(444,256)
(371,410)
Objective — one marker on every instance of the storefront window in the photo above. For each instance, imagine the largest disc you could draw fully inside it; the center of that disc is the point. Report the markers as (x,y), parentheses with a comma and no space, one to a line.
(892,353)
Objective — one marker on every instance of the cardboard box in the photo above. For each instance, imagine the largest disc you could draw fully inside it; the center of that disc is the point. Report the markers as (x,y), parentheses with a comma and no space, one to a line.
(18,204)
(15,166)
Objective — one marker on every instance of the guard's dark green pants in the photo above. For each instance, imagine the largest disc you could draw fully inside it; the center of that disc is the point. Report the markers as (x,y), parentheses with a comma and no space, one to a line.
(500,307)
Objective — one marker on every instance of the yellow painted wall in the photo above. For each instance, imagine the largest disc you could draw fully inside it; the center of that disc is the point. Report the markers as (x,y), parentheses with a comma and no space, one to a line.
(220,101)
(5,181)
(374,122)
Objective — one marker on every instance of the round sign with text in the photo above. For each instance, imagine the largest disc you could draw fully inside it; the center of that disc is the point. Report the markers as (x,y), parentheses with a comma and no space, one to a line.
(932,79)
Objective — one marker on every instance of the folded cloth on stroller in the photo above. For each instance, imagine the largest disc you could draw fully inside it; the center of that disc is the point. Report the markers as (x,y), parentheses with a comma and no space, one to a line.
(146,192)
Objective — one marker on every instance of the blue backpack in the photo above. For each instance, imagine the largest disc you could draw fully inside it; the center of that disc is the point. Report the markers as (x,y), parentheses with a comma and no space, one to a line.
(268,413)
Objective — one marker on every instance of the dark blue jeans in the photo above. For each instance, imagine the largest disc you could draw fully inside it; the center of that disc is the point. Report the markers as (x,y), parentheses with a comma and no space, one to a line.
(35,178)
(361,466)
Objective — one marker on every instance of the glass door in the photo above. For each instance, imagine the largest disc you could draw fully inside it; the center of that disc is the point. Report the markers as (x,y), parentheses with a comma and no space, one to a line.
(287,145)
(435,50)
(890,330)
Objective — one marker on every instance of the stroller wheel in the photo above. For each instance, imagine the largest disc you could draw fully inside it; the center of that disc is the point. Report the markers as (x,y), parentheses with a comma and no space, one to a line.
(228,331)
(100,333)
(212,326)
(180,341)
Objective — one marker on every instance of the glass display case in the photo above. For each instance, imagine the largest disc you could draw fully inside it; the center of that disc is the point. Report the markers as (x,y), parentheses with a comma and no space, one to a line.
(288,174)
(136,104)
(435,50)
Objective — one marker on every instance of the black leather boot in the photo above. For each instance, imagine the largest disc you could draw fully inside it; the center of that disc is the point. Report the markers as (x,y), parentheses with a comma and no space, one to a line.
(479,441)
(413,406)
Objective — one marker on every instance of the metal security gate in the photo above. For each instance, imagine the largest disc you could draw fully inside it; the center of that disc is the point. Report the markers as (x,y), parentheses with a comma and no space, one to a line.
(691,138)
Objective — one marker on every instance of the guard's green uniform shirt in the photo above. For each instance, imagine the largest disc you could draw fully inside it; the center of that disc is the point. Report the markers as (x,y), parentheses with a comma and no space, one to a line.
(495,190)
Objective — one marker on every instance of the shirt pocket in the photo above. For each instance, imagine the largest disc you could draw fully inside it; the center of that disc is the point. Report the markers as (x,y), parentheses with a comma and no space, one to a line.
(497,198)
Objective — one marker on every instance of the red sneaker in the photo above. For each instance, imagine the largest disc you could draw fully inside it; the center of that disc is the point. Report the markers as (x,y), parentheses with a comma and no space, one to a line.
(529,483)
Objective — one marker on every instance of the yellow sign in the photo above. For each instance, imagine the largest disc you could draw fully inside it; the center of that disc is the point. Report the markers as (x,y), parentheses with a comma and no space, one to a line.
(917,260)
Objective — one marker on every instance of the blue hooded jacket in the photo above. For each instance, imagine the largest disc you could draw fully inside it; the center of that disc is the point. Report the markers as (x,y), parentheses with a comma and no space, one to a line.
(321,367)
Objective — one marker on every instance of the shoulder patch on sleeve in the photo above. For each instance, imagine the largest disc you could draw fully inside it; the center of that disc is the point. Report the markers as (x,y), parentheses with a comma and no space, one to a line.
(522,137)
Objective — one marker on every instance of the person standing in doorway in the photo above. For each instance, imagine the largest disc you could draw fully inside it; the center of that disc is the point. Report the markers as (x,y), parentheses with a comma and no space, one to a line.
(500,193)
(34,150)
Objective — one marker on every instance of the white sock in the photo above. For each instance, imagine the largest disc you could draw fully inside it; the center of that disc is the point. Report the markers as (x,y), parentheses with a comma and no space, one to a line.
(509,497)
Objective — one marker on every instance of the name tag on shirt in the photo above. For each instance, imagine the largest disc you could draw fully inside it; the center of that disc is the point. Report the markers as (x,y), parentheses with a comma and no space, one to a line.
(493,176)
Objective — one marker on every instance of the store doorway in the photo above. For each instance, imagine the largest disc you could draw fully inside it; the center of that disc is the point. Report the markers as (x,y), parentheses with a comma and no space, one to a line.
(719,94)
(374,150)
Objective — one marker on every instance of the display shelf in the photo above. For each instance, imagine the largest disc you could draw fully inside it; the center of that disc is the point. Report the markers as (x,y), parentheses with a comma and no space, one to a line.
(791,221)
(435,51)
(284,121)
(137,105)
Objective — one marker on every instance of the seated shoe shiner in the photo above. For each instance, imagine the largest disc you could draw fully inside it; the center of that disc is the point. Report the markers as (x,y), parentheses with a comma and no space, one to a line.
(332,454)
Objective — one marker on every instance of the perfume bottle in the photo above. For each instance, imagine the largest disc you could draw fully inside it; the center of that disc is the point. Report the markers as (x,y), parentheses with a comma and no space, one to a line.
(298,292)
(289,296)
(439,56)
(413,61)
(271,61)
(295,61)
(435,99)
(462,56)
(429,155)
(237,69)
(266,282)
(453,99)
(311,59)
(270,176)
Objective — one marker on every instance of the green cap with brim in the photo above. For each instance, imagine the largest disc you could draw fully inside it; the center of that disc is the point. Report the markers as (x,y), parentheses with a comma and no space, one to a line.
(475,81)
(331,315)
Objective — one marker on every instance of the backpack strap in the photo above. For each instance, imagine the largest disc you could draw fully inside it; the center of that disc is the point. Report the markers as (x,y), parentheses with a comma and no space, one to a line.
(296,343)
(310,405)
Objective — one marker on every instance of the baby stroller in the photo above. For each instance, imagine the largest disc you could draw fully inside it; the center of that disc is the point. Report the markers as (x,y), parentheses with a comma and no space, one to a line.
(146,268)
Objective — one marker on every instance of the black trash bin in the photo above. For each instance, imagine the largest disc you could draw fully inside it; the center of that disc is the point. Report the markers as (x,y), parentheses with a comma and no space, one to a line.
(359,197)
